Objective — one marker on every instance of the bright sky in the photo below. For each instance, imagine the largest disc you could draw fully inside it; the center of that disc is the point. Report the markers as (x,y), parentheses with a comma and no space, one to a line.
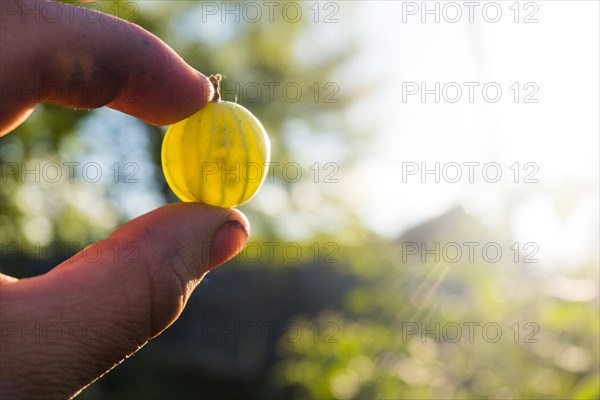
(556,140)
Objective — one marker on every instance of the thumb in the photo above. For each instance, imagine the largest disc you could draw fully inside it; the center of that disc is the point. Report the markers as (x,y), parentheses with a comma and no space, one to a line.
(64,329)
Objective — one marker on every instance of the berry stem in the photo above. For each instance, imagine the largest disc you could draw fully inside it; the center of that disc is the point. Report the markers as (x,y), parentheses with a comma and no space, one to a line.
(216,81)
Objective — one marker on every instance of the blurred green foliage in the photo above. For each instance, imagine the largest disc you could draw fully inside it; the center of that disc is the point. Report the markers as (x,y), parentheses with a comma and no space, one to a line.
(362,348)
(426,330)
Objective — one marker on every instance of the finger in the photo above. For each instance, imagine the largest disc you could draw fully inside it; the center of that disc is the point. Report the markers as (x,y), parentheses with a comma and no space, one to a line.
(84,59)
(63,329)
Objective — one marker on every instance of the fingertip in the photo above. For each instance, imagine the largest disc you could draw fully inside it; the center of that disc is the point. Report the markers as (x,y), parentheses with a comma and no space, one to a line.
(230,239)
(241,218)
(113,62)
(175,96)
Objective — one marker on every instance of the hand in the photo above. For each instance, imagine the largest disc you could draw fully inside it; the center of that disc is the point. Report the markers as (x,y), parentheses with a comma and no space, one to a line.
(64,329)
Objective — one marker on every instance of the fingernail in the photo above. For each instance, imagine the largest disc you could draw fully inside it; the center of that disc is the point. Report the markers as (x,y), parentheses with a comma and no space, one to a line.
(208,90)
(229,240)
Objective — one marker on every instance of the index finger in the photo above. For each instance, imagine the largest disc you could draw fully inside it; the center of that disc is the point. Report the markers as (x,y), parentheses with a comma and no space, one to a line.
(86,59)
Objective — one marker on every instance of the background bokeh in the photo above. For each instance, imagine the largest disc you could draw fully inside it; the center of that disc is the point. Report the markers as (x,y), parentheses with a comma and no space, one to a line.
(368,274)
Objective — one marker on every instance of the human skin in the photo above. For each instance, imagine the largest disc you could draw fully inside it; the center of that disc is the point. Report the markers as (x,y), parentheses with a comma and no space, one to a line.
(108,307)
